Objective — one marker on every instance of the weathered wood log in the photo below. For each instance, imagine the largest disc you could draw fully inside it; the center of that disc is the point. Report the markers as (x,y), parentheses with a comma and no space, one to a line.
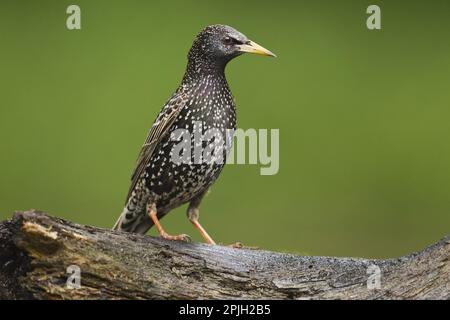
(36,250)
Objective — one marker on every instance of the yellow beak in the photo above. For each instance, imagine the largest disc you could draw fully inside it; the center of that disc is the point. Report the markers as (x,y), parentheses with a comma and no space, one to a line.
(253,47)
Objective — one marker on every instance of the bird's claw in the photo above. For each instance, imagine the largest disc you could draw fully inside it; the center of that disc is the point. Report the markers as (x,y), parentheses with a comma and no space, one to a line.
(180,237)
(185,237)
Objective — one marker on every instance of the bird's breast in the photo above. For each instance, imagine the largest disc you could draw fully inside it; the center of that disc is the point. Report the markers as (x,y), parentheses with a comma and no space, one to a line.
(190,158)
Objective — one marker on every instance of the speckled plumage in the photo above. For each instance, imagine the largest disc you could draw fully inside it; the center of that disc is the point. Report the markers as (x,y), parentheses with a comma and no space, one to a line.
(203,97)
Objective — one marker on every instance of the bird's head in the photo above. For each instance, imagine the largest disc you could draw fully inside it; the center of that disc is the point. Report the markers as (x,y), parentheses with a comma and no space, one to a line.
(217,44)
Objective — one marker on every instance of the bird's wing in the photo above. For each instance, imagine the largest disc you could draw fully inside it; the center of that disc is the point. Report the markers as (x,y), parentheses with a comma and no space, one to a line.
(158,131)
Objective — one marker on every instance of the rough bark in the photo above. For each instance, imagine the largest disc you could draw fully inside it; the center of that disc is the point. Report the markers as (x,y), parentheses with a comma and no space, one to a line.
(36,249)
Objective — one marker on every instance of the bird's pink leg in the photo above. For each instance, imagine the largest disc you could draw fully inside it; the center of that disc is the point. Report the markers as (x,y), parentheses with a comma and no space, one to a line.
(202,231)
(163,234)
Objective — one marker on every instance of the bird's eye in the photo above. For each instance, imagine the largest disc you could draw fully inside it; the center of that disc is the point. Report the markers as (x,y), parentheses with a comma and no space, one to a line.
(227,40)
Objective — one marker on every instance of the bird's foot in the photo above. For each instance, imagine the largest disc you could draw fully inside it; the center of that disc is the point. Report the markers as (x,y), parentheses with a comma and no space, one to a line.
(179,237)
(162,233)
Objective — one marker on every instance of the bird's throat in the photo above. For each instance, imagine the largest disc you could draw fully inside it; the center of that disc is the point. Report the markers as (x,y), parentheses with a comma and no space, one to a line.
(199,68)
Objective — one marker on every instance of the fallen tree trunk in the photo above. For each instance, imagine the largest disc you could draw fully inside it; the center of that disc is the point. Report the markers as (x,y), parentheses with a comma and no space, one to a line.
(36,251)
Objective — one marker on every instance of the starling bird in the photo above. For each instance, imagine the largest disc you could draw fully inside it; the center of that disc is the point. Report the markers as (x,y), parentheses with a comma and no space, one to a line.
(158,183)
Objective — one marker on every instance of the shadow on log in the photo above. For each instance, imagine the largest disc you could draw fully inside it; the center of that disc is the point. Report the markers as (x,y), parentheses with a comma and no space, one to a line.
(36,250)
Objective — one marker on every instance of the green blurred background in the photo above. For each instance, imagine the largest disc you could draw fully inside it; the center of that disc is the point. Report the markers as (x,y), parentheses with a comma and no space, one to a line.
(363,117)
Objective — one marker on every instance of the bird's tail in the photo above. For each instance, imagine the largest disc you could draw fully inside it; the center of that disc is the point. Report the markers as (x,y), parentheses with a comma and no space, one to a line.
(133,221)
